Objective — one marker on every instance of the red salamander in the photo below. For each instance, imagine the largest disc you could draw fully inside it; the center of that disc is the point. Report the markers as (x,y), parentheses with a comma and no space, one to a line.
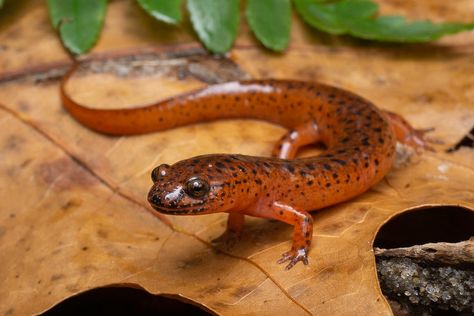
(360,141)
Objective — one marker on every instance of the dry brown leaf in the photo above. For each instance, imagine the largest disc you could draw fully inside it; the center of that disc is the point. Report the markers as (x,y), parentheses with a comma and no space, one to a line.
(73,212)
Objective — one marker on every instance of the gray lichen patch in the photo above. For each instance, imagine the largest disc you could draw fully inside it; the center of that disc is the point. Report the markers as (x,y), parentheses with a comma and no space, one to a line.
(435,288)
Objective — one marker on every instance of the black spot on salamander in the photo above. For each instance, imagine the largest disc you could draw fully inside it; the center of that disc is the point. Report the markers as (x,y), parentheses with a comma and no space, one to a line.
(381,140)
(227,160)
(345,140)
(335,175)
(266,164)
(268,194)
(310,182)
(358,178)
(258,181)
(339,161)
(377,129)
(241,168)
(376,161)
(365,142)
(310,166)
(220,165)
(235,175)
(281,212)
(341,151)
(297,186)
(327,167)
(289,167)
(254,171)
(232,168)
(302,173)
(328,185)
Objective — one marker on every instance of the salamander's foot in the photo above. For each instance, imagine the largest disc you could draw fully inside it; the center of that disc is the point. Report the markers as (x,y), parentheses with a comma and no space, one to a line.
(227,240)
(419,141)
(407,135)
(294,256)
(232,234)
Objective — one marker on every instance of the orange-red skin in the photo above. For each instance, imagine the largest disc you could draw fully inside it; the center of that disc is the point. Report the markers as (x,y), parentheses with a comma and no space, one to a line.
(360,141)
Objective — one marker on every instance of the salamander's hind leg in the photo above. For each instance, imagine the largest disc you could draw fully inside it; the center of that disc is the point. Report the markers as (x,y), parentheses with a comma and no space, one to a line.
(408,135)
(235,223)
(288,145)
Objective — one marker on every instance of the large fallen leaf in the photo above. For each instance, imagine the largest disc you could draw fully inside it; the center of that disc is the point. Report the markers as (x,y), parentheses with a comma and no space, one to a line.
(73,213)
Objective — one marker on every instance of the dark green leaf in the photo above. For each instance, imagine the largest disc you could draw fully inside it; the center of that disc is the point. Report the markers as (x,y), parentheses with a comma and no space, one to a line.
(331,17)
(1,3)
(215,22)
(168,11)
(79,22)
(357,17)
(270,20)
(397,29)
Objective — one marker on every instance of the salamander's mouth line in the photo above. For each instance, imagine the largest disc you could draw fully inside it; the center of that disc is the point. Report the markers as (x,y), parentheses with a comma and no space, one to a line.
(184,210)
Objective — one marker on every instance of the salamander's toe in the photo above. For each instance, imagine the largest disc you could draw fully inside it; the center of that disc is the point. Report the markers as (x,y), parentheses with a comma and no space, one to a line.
(419,141)
(294,256)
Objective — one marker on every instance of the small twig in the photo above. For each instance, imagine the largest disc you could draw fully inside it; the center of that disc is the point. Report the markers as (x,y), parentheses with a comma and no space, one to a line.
(461,253)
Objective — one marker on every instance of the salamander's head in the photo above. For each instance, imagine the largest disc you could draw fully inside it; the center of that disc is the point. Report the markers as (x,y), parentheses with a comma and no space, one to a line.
(200,185)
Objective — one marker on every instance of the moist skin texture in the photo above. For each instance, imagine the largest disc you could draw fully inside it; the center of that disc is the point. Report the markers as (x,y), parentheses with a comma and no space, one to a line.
(360,141)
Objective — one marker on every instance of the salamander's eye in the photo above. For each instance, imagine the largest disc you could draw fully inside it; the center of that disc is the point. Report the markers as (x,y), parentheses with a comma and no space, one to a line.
(159,172)
(197,187)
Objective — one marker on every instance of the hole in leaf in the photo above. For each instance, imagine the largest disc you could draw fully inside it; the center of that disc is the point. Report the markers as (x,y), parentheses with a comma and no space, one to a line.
(427,225)
(124,301)
(418,285)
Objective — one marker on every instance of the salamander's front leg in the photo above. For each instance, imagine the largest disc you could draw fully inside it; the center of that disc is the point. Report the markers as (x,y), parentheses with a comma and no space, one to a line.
(303,135)
(302,232)
(235,223)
